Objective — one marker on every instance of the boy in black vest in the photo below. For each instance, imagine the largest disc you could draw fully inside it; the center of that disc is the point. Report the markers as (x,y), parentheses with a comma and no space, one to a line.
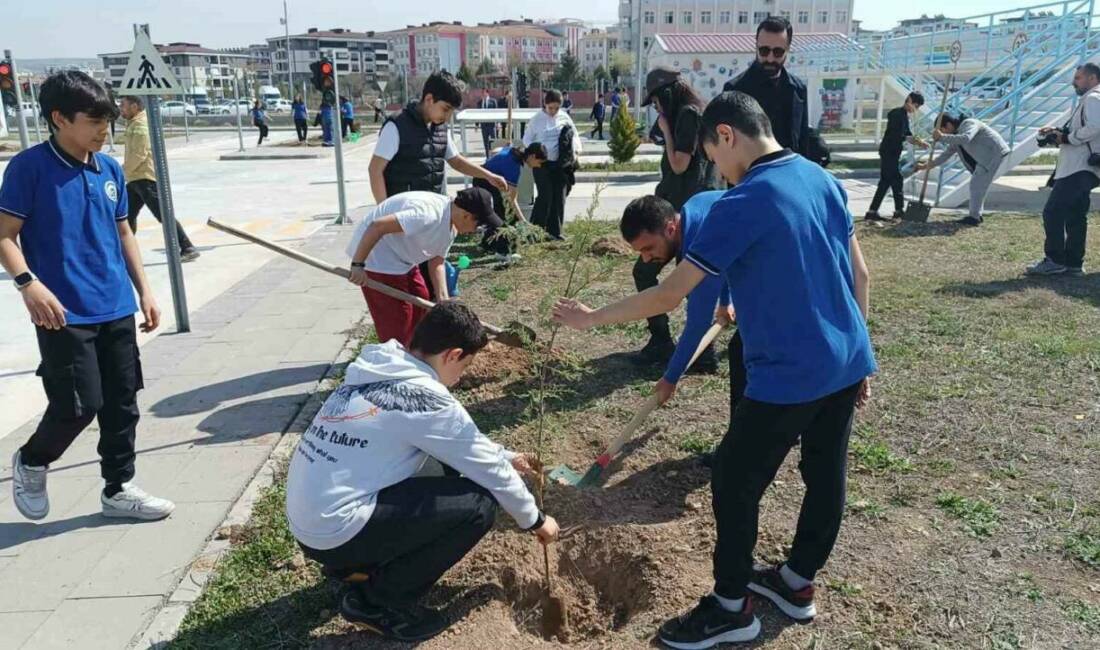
(414,144)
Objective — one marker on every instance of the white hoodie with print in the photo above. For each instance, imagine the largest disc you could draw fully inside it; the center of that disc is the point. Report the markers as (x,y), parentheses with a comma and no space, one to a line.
(377,430)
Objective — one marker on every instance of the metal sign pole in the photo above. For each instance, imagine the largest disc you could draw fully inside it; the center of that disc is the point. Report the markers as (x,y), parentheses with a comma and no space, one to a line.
(24,139)
(186,130)
(237,94)
(34,106)
(342,217)
(168,217)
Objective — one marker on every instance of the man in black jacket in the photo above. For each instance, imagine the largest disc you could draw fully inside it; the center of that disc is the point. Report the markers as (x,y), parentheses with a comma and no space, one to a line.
(889,151)
(781,94)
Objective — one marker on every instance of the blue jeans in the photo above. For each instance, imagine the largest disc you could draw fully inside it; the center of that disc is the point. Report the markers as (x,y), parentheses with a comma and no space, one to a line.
(1065,218)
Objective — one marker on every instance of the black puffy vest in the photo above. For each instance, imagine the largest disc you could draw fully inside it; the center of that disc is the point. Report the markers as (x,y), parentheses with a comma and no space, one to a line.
(418,164)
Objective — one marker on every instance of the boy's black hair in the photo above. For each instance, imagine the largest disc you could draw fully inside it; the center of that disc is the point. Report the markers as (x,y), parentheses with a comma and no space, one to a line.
(443,87)
(535,149)
(71,92)
(1090,68)
(737,110)
(916,98)
(551,97)
(953,120)
(776,25)
(645,214)
(134,99)
(447,326)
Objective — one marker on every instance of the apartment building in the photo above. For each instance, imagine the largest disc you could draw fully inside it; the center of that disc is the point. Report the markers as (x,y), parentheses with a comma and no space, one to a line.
(595,48)
(196,67)
(358,53)
(421,50)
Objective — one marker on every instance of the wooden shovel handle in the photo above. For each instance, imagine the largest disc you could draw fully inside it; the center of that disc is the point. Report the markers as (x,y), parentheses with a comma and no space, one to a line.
(653,402)
(932,149)
(333,269)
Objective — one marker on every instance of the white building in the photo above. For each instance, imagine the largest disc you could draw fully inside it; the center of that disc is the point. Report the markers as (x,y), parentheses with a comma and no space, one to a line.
(422,50)
(572,30)
(727,17)
(356,53)
(594,49)
(197,68)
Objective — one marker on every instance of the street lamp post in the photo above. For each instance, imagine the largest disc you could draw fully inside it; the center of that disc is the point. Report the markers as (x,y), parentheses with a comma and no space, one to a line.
(289,60)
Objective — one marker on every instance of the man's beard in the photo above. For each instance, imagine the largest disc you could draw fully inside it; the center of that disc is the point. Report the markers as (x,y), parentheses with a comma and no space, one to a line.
(772,68)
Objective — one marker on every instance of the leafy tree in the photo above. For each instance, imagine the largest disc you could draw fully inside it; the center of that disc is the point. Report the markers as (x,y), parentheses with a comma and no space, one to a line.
(569,71)
(464,73)
(624,136)
(486,67)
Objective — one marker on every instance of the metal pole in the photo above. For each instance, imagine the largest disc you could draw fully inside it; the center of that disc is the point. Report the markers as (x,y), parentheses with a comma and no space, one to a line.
(186,129)
(881,106)
(237,94)
(168,217)
(342,217)
(638,66)
(35,108)
(24,139)
(289,64)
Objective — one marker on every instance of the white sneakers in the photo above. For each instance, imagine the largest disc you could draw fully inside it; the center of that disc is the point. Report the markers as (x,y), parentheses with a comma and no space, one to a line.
(28,486)
(134,503)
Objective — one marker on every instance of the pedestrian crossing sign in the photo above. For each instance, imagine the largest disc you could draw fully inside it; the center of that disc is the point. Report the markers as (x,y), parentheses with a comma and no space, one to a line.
(146,72)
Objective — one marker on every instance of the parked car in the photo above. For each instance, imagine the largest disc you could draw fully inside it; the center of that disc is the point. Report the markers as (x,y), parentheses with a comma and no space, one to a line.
(175,108)
(28,111)
(279,106)
(228,107)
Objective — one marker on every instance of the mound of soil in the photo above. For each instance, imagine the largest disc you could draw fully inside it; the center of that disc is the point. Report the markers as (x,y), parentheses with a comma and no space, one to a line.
(611,246)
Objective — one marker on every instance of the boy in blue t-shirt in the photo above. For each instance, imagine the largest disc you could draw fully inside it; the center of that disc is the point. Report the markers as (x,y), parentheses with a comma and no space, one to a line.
(76,262)
(782,237)
(508,164)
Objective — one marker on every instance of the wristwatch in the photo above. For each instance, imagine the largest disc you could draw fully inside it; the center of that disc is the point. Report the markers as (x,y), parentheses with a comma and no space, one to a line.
(358,265)
(538,522)
(23,280)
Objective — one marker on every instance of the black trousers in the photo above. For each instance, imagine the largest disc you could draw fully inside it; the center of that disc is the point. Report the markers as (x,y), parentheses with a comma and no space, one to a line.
(420,527)
(549,211)
(645,277)
(302,127)
(487,134)
(759,437)
(263,132)
(143,193)
(345,126)
(377,115)
(490,241)
(1065,218)
(889,179)
(89,372)
(598,129)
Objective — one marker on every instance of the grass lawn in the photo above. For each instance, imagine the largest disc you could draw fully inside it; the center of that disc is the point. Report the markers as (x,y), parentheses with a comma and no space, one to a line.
(974,474)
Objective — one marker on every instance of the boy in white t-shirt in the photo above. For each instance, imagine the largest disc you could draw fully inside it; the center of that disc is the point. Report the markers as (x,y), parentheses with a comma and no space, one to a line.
(358,501)
(399,235)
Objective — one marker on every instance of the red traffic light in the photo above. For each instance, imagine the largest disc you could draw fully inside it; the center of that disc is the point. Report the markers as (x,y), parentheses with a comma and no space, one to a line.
(326,68)
(5,69)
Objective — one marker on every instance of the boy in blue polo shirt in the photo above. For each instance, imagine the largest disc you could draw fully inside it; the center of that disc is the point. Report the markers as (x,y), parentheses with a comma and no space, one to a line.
(782,237)
(76,263)
(508,164)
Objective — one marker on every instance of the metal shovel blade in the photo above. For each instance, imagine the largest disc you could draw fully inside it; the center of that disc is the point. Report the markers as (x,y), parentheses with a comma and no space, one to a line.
(917,212)
(565,476)
(516,335)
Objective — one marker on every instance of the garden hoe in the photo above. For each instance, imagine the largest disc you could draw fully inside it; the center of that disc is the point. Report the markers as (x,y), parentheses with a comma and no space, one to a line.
(566,476)
(516,334)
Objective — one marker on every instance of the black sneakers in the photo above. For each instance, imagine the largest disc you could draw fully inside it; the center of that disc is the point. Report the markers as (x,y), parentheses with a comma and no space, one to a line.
(710,624)
(798,605)
(969,221)
(657,352)
(413,624)
(873,215)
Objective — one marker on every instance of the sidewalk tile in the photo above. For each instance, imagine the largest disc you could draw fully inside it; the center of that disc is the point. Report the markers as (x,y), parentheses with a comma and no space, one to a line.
(94,624)
(216,474)
(46,571)
(17,627)
(66,493)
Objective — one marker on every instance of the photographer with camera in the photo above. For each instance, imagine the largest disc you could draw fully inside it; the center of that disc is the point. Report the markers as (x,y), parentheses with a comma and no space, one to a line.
(1065,216)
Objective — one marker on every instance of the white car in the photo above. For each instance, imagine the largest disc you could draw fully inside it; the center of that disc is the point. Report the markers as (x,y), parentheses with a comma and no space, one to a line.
(228,107)
(176,108)
(28,111)
(279,106)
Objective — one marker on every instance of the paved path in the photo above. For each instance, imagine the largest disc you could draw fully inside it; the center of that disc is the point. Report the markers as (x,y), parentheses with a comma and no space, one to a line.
(216,402)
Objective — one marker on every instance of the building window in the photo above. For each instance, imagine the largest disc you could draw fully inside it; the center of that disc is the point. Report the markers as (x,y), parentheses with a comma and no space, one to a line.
(786,15)
(706,18)
(670,17)
(649,18)
(842,17)
(645,42)
(759,16)
(823,17)
(686,18)
(724,17)
(742,18)
(803,17)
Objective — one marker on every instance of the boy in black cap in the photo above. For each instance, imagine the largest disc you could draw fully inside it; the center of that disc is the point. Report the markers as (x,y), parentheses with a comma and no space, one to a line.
(399,235)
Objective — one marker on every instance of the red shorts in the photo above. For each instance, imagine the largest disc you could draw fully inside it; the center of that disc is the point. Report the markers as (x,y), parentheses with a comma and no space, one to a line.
(393,318)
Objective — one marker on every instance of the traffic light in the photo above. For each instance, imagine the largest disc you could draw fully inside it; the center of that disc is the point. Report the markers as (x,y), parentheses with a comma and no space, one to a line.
(7,84)
(322,74)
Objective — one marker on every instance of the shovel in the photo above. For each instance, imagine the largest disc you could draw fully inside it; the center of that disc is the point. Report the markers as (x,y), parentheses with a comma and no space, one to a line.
(562,474)
(516,335)
(919,210)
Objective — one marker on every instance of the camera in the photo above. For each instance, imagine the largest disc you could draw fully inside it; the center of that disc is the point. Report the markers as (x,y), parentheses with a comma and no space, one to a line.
(1051,139)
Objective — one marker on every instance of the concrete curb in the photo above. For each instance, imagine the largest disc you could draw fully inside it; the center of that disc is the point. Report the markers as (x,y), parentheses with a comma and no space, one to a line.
(166,622)
(269,156)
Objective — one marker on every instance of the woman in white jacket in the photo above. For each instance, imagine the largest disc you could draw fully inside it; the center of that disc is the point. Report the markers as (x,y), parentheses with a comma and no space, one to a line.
(550,181)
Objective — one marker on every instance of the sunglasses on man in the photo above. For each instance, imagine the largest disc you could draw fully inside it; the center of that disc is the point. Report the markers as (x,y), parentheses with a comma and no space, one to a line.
(776,52)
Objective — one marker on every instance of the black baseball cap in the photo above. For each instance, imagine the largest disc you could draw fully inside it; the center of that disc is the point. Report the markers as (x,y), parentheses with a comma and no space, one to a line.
(657,79)
(478,202)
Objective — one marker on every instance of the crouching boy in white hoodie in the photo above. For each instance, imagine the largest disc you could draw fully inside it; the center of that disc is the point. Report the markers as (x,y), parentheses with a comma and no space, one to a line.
(354,501)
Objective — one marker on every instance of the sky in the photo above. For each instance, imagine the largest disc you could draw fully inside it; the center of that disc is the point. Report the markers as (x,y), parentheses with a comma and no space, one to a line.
(85,28)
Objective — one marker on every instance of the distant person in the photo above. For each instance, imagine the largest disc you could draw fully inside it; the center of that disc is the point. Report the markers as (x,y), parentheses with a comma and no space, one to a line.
(65,242)
(327,119)
(982,151)
(616,102)
(889,151)
(597,115)
(1065,215)
(259,120)
(301,118)
(379,109)
(547,127)
(508,163)
(567,104)
(347,117)
(781,94)
(141,173)
(393,481)
(488,129)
